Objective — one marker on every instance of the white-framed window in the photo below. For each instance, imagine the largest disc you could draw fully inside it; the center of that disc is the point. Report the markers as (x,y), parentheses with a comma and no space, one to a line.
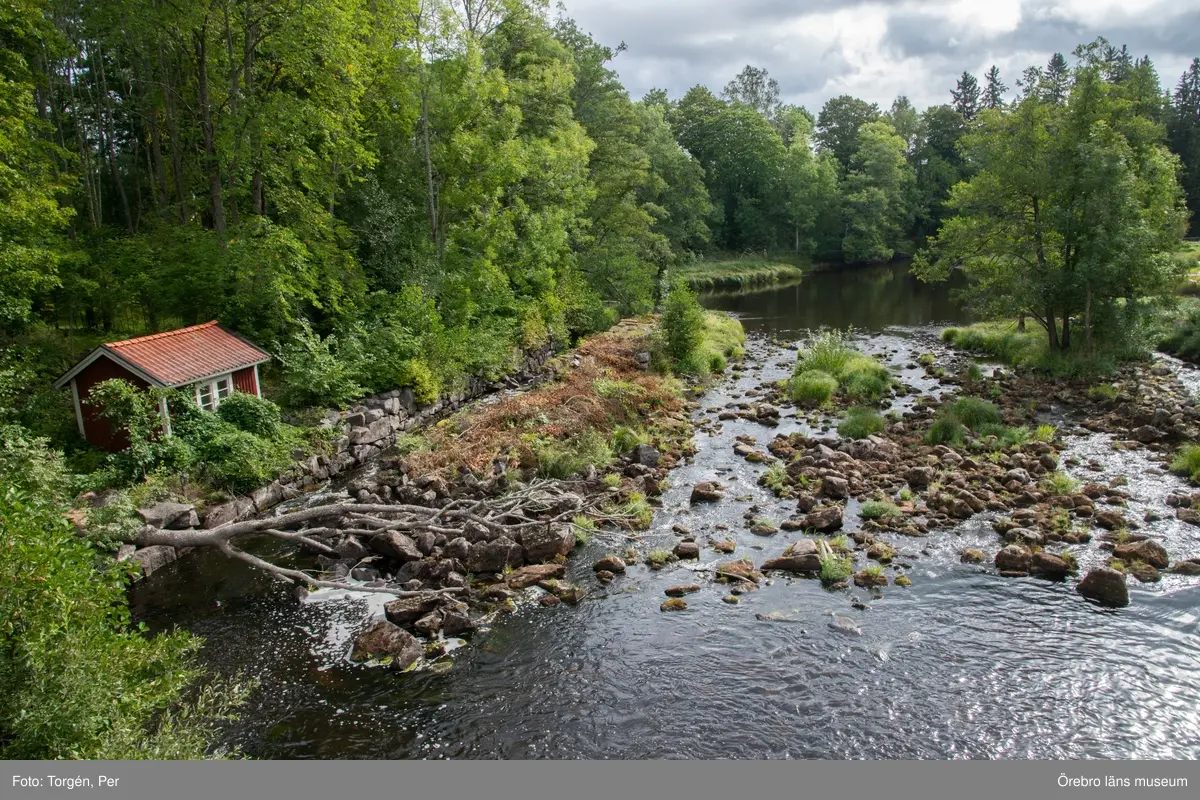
(210,393)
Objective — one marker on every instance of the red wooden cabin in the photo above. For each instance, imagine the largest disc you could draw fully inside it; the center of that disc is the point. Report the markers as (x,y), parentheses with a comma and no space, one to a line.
(210,360)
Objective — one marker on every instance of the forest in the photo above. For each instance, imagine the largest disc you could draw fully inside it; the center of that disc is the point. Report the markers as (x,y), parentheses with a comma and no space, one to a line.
(409,193)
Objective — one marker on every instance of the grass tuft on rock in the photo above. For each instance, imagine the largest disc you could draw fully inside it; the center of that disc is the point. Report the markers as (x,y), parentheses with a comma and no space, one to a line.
(1187,462)
(878,509)
(861,422)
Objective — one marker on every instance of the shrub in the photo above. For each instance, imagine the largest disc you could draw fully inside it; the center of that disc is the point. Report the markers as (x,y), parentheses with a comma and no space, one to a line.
(77,680)
(946,430)
(1187,462)
(562,459)
(318,371)
(250,414)
(861,422)
(828,352)
(1045,433)
(835,569)
(683,327)
(813,387)
(975,413)
(878,509)
(717,362)
(625,438)
(974,373)
(1103,391)
(1059,483)
(238,461)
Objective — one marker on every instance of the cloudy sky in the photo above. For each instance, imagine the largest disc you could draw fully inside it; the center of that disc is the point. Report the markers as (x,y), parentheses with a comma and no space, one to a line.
(874,49)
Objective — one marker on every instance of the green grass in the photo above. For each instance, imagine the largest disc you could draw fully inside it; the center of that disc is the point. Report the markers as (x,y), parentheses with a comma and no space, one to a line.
(861,422)
(1187,462)
(859,377)
(878,509)
(925,359)
(584,528)
(1045,433)
(737,273)
(1059,483)
(946,430)
(1103,391)
(625,438)
(775,478)
(835,569)
(999,340)
(873,570)
(974,373)
(1030,349)
(657,559)
(814,387)
(612,480)
(564,458)
(975,413)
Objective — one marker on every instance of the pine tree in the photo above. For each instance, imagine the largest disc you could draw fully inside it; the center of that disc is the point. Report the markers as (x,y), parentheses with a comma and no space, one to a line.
(993,89)
(1056,80)
(966,96)
(1183,134)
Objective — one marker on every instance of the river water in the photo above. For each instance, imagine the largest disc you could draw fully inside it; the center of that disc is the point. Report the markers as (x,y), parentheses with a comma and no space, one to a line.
(962,664)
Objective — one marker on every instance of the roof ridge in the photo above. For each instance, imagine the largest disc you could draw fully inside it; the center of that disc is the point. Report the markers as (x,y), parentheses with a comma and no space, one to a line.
(162,335)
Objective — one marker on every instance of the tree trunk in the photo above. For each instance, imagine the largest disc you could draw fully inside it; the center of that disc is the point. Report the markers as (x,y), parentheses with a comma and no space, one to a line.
(1052,328)
(212,164)
(1066,331)
(1021,323)
(110,149)
(433,216)
(1087,320)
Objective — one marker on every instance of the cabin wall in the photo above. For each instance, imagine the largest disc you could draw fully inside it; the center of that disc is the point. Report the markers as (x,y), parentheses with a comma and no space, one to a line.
(244,380)
(96,429)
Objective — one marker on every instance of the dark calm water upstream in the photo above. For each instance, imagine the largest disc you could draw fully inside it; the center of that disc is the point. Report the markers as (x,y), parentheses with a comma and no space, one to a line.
(963,664)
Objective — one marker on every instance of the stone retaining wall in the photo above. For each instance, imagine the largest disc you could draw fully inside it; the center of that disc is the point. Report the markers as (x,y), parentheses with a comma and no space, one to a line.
(368,429)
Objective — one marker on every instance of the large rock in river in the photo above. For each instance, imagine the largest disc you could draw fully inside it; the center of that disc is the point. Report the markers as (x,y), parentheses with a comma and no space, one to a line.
(495,555)
(824,519)
(1013,560)
(396,545)
(543,544)
(801,556)
(1106,586)
(706,492)
(404,611)
(1146,550)
(382,639)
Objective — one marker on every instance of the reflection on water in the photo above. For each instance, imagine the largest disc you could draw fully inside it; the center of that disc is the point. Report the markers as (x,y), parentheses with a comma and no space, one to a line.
(869,298)
(963,664)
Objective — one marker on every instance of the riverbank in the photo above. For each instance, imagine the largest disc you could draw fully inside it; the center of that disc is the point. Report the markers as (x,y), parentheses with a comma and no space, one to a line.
(738,273)
(962,662)
(461,516)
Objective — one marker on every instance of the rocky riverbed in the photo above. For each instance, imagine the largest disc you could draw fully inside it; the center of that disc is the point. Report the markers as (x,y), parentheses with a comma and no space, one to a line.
(710,633)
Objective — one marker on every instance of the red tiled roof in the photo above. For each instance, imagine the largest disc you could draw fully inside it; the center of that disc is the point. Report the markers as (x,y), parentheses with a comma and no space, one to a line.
(188,354)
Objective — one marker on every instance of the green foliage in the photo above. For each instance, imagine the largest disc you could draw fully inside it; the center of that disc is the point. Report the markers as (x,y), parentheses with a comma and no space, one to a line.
(878,509)
(828,352)
(318,371)
(566,457)
(813,387)
(1187,462)
(775,478)
(974,412)
(1045,433)
(865,380)
(1103,391)
(974,373)
(584,528)
(835,569)
(625,438)
(612,480)
(683,329)
(946,430)
(861,422)
(1100,207)
(742,272)
(1059,483)
(250,414)
(76,679)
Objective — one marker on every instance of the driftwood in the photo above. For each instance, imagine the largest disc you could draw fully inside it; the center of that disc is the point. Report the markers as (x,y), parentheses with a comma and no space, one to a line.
(539,504)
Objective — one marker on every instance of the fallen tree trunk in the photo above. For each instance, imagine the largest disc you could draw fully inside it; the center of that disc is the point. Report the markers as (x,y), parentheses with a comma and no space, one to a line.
(516,517)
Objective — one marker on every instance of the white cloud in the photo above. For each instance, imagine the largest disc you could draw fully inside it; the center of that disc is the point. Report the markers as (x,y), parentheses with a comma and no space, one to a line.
(874,49)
